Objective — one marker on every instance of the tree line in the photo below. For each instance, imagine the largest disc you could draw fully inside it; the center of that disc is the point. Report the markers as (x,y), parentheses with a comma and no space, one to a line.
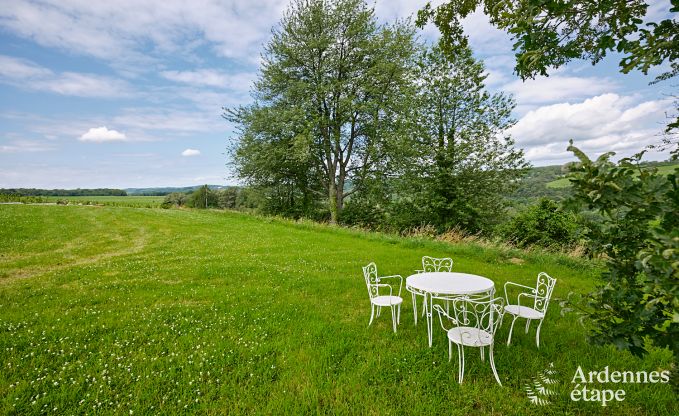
(63,192)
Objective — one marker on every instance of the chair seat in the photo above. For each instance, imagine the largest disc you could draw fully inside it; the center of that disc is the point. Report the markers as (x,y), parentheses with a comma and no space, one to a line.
(524,312)
(469,336)
(386,300)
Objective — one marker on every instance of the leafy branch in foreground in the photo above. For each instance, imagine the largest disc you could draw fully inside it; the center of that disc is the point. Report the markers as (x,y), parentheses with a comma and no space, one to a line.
(637,233)
(549,34)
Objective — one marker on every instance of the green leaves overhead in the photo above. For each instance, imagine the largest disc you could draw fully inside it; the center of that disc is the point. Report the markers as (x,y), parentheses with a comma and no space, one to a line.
(550,33)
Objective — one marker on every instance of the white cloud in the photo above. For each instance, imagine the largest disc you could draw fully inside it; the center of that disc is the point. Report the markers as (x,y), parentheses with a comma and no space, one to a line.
(127,30)
(172,120)
(23,73)
(608,122)
(191,152)
(558,88)
(26,146)
(101,135)
(212,78)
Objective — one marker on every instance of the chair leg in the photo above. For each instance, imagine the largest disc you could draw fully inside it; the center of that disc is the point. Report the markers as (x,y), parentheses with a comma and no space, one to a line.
(398,315)
(509,338)
(415,307)
(450,350)
(393,318)
(483,355)
(460,350)
(537,334)
(379,311)
(492,365)
(527,325)
(372,314)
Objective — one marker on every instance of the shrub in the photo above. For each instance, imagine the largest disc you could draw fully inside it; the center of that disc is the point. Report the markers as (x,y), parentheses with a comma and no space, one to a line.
(177,199)
(202,197)
(542,225)
(638,233)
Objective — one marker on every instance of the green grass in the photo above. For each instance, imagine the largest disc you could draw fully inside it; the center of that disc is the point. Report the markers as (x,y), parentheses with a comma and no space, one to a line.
(565,183)
(121,201)
(111,310)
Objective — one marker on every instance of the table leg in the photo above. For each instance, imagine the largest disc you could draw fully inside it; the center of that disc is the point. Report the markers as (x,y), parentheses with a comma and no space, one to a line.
(430,317)
(415,306)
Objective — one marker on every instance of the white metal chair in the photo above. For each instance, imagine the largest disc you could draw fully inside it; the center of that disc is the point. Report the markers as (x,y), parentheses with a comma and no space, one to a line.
(377,300)
(430,264)
(540,295)
(474,325)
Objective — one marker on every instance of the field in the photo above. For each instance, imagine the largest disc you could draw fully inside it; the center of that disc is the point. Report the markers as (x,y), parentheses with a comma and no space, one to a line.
(148,311)
(565,183)
(120,201)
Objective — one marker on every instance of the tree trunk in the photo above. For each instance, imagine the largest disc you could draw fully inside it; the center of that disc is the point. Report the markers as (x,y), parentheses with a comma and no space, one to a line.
(332,199)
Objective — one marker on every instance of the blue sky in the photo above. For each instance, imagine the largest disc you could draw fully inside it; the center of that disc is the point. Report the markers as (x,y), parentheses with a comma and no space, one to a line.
(130,94)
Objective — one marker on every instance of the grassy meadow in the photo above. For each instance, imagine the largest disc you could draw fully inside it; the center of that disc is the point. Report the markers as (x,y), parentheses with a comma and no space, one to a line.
(120,201)
(121,310)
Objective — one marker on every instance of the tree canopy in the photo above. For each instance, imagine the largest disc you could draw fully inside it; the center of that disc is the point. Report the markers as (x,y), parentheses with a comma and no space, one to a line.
(548,34)
(328,103)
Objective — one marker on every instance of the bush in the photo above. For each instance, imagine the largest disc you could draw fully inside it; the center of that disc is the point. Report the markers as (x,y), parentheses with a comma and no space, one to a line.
(542,225)
(203,197)
(227,198)
(175,199)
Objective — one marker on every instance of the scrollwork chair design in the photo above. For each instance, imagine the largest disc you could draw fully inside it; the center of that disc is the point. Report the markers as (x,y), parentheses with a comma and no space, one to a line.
(430,264)
(537,296)
(474,325)
(378,299)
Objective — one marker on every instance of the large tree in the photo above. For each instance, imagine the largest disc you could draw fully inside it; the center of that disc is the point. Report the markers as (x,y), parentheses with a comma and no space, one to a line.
(464,162)
(329,101)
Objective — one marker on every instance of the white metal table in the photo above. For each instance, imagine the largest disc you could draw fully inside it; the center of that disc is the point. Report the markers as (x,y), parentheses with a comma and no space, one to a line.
(441,284)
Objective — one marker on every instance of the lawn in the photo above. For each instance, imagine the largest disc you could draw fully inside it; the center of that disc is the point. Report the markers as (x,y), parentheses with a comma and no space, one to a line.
(150,311)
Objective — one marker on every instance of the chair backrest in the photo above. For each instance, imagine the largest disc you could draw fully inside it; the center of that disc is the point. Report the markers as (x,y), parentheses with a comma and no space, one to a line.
(485,315)
(543,291)
(371,279)
(432,264)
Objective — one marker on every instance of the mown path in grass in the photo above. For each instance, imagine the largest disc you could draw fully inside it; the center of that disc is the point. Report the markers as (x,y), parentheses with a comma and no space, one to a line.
(110,309)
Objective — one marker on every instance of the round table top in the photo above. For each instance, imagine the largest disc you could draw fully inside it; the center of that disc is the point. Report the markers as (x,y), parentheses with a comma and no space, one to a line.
(448,283)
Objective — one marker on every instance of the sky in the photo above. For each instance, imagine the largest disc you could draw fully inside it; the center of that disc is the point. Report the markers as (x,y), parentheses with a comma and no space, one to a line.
(129,93)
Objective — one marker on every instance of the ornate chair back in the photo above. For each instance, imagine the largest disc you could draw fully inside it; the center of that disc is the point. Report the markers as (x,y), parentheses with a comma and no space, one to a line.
(543,292)
(371,279)
(432,264)
(483,315)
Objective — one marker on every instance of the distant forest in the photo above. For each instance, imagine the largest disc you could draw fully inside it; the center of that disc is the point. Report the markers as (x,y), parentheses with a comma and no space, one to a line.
(63,192)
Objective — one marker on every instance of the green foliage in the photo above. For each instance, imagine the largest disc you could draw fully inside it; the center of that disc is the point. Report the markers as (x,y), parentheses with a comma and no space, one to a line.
(462,165)
(638,232)
(227,198)
(12,197)
(548,34)
(64,192)
(203,197)
(328,110)
(175,199)
(544,225)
